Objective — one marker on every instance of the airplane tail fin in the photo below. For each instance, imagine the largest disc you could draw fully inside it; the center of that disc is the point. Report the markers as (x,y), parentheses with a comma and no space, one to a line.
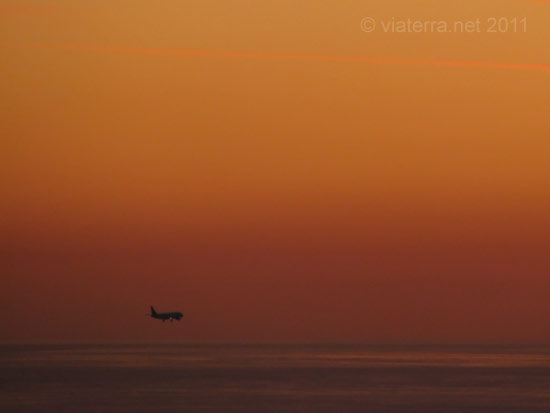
(153,312)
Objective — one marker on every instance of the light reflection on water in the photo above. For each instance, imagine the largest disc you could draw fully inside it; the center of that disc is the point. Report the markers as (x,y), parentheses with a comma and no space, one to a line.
(246,378)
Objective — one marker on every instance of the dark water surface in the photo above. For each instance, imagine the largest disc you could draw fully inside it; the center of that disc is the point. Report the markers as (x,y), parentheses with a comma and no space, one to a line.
(274,378)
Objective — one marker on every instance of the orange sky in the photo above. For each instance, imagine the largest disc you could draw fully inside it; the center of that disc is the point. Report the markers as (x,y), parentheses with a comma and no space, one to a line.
(273,172)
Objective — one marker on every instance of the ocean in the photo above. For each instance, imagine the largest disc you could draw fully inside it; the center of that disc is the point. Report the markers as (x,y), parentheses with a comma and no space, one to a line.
(273,378)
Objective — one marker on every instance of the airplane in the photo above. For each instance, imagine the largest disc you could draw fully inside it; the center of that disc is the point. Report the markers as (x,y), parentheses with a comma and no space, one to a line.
(166,316)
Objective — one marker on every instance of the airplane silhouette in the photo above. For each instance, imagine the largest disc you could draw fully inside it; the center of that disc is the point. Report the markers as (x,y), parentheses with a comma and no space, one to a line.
(166,316)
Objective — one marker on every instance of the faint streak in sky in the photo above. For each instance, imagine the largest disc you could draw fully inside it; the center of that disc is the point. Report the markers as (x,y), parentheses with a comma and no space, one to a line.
(301,56)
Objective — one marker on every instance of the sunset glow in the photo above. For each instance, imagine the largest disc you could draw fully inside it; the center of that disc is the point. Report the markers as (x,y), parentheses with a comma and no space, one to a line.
(274,172)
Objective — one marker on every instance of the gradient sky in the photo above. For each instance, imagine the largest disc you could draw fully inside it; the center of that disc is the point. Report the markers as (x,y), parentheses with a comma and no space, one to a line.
(273,172)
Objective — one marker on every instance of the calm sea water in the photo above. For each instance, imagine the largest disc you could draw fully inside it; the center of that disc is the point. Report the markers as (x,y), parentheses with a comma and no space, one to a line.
(274,378)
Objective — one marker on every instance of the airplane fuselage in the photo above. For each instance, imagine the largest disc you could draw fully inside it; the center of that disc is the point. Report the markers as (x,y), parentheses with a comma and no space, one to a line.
(176,315)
